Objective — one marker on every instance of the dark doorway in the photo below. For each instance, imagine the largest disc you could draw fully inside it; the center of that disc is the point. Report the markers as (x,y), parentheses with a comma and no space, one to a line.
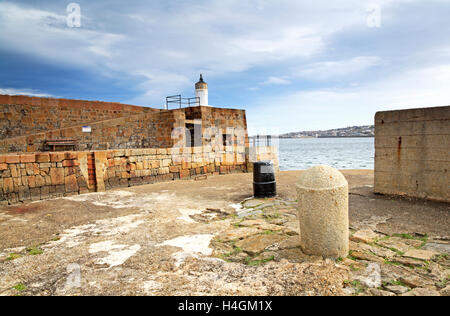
(193,135)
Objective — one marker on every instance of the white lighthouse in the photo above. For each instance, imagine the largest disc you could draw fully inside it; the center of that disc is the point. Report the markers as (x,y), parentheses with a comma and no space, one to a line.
(201,92)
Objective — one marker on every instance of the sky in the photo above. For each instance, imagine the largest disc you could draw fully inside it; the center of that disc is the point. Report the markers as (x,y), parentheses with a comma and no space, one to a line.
(292,65)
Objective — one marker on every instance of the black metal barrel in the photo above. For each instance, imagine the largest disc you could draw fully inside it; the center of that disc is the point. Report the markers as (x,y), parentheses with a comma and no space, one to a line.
(264,184)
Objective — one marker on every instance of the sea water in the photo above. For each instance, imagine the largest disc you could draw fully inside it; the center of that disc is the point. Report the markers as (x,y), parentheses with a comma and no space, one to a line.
(340,153)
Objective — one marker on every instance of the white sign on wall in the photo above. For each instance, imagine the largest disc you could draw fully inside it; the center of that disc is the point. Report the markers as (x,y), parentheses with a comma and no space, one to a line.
(87,129)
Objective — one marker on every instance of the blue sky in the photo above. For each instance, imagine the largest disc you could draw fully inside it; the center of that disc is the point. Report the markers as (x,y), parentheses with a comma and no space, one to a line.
(293,65)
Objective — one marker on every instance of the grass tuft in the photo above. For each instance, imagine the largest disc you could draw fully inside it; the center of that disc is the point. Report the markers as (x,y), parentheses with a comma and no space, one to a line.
(19,287)
(34,251)
(13,256)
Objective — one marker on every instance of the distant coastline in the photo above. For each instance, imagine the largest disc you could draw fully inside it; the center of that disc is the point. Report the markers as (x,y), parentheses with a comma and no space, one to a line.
(311,137)
(348,132)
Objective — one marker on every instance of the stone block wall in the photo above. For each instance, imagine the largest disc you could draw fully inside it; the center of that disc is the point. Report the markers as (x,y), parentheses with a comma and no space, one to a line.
(413,153)
(143,166)
(21,115)
(32,177)
(39,176)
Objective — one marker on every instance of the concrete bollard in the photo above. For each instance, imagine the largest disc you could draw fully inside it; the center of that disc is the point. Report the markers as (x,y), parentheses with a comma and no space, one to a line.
(323,212)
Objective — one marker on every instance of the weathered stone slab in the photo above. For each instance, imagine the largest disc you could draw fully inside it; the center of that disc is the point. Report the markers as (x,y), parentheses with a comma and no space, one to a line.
(438,247)
(416,281)
(360,255)
(352,263)
(262,224)
(377,292)
(382,252)
(422,292)
(366,235)
(400,244)
(378,251)
(258,243)
(397,289)
(252,222)
(408,261)
(420,254)
(391,272)
(237,233)
(253,203)
(248,212)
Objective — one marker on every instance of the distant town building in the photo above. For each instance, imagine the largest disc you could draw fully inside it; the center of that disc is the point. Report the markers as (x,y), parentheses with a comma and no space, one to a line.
(354,131)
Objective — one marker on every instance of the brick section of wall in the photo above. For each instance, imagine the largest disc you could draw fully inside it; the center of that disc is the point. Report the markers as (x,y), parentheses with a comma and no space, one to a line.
(39,176)
(21,115)
(136,131)
(412,153)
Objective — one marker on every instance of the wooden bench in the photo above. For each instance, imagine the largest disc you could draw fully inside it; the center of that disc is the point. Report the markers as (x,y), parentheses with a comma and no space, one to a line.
(52,144)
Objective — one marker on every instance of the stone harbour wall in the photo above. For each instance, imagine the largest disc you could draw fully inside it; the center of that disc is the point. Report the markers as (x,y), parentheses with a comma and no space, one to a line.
(32,177)
(22,115)
(154,129)
(412,153)
(39,176)
(135,131)
(129,167)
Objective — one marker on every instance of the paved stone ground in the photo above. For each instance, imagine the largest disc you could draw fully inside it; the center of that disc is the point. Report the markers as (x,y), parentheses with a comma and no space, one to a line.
(209,238)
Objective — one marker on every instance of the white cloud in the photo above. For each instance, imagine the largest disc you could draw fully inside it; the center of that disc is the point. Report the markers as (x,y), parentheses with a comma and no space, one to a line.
(165,46)
(341,68)
(283,44)
(45,34)
(214,37)
(276,81)
(158,85)
(27,92)
(332,108)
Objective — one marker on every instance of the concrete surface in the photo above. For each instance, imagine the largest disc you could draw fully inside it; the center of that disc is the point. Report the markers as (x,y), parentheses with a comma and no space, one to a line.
(160,239)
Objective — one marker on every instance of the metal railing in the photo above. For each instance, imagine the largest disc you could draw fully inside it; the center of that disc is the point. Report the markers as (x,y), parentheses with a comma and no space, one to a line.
(180,102)
(261,140)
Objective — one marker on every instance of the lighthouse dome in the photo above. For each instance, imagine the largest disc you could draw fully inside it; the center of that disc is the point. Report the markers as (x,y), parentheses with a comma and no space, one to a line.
(201,84)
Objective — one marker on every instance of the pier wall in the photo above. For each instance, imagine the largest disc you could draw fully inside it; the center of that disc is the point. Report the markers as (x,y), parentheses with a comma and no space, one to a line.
(40,176)
(413,153)
(147,130)
(22,115)
(27,123)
